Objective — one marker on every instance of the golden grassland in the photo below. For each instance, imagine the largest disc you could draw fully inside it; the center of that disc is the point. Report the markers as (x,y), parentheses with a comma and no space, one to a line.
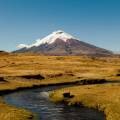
(104,98)
(58,69)
(48,66)
(8,112)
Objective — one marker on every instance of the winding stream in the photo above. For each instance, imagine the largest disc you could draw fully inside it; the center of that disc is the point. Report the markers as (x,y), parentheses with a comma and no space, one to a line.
(38,102)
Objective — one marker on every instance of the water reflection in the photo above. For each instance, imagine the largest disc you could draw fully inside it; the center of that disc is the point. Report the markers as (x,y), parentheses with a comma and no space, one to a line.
(37,101)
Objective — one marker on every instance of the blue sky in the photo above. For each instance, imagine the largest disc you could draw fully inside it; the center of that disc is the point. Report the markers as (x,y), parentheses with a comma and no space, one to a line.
(94,21)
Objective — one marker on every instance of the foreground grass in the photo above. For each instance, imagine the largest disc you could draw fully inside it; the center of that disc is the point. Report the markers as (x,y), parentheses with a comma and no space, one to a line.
(60,69)
(8,112)
(105,98)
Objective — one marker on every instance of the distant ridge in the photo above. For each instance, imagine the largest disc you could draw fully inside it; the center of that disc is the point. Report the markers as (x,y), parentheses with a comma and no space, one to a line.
(61,43)
(3,52)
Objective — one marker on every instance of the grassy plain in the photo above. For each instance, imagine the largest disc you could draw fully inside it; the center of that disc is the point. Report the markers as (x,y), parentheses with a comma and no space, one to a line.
(104,98)
(61,69)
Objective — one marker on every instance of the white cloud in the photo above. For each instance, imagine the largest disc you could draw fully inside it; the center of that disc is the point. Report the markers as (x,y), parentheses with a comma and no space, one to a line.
(22,46)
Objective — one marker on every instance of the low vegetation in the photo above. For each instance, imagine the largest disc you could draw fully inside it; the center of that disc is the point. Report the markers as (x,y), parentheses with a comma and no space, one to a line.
(8,112)
(105,98)
(28,70)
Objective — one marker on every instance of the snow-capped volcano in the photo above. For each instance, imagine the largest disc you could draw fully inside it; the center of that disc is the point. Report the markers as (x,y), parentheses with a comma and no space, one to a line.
(61,43)
(50,39)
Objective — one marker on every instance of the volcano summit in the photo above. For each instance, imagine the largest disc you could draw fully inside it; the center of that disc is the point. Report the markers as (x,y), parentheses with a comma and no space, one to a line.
(61,43)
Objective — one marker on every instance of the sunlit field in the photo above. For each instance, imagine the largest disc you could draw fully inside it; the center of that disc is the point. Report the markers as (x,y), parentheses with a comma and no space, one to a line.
(28,70)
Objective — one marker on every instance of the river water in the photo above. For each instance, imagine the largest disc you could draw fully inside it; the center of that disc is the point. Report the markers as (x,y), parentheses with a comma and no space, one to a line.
(37,101)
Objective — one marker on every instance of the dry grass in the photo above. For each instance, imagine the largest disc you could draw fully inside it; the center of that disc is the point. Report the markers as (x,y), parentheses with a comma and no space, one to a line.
(105,98)
(17,65)
(59,69)
(8,112)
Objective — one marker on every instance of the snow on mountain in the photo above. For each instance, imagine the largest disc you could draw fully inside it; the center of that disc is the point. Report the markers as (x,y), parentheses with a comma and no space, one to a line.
(49,39)
(22,46)
(61,43)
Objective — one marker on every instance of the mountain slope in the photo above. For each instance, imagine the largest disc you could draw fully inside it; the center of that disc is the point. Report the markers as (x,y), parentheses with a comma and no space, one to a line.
(61,43)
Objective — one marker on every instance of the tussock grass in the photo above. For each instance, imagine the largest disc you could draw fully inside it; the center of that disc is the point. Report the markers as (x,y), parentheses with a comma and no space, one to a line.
(105,98)
(61,69)
(47,66)
(8,112)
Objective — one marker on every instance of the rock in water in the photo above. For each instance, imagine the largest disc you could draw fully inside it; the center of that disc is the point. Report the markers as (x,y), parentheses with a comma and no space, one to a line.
(44,94)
